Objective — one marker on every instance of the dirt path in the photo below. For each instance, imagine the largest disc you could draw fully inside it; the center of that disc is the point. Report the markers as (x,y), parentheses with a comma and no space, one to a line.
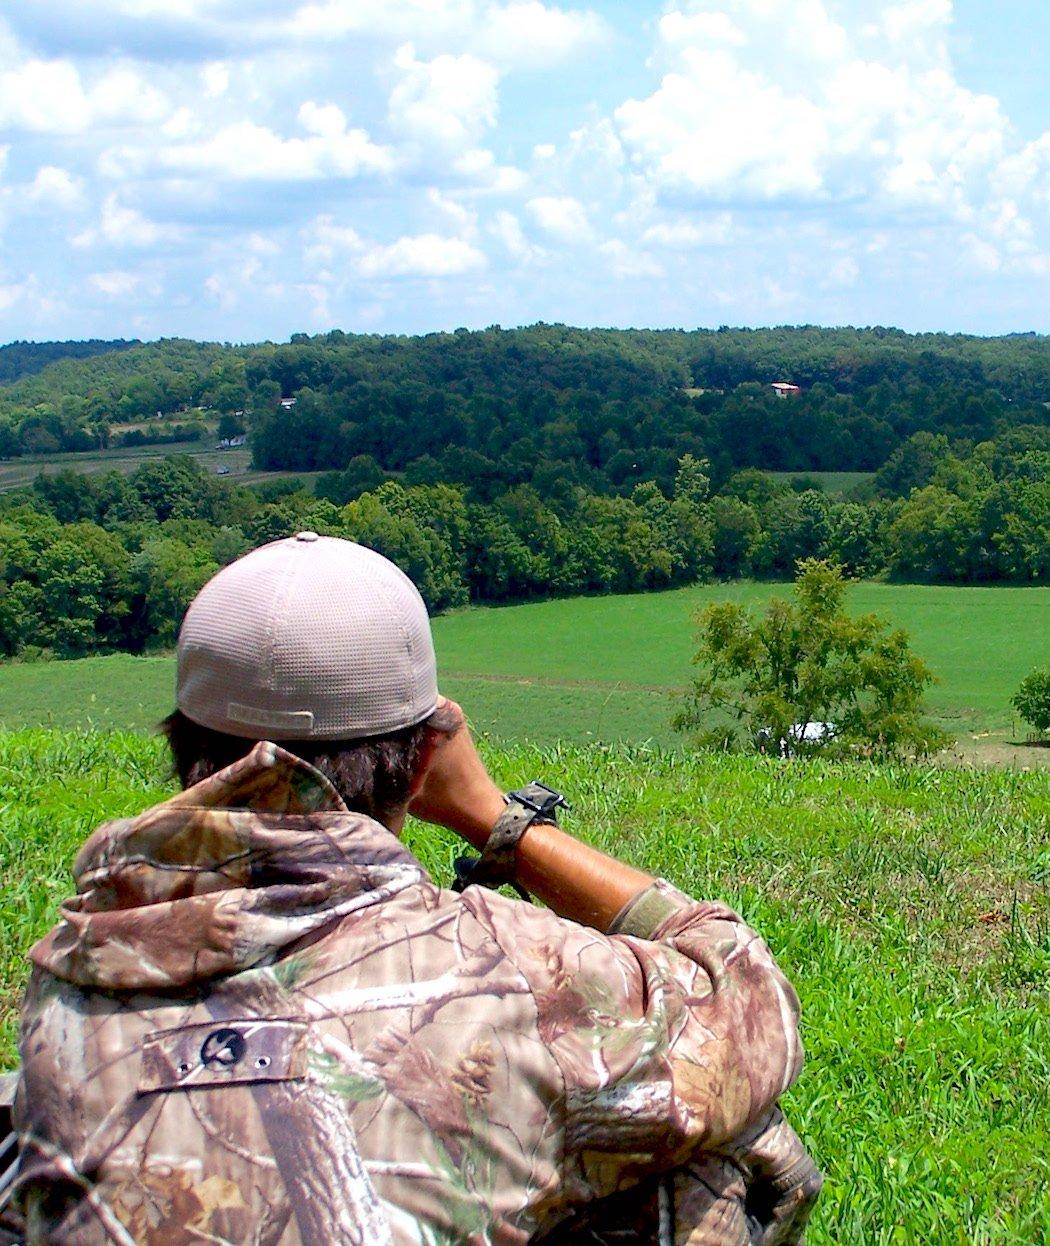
(994,749)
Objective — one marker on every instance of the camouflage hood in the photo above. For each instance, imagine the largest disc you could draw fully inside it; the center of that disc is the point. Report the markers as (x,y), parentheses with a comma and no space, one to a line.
(222,877)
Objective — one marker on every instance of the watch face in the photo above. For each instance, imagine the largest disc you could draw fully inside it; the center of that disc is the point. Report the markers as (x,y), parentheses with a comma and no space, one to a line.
(543,800)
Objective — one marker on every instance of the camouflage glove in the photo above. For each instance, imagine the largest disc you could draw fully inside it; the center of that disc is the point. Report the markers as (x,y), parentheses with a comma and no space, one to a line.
(760,1192)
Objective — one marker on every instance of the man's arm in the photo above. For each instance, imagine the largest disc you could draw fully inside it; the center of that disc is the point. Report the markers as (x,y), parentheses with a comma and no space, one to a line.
(714,1019)
(573,879)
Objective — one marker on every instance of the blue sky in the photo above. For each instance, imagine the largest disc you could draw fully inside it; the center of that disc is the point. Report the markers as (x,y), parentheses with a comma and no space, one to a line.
(246,169)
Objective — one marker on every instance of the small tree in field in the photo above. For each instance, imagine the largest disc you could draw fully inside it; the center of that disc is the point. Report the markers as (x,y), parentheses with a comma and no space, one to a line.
(807,661)
(1032,699)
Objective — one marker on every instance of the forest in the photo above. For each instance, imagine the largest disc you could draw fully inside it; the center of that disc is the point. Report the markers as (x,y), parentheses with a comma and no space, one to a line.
(508,465)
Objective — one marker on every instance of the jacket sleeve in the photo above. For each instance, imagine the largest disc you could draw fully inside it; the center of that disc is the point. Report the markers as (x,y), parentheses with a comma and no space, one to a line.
(674,1034)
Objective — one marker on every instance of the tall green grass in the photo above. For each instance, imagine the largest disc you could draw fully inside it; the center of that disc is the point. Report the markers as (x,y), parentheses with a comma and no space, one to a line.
(908,904)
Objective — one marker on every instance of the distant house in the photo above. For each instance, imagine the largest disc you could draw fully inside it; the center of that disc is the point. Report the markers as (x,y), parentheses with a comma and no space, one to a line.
(784,389)
(231,443)
(287,403)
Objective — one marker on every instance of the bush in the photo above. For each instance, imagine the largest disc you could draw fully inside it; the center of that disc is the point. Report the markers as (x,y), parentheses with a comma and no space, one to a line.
(1032,699)
(808,663)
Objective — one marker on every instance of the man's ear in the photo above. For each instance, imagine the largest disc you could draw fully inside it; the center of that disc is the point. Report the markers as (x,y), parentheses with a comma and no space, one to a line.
(432,740)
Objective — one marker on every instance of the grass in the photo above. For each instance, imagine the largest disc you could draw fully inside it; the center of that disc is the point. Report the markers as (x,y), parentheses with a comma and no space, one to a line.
(18,473)
(832,483)
(908,905)
(603,668)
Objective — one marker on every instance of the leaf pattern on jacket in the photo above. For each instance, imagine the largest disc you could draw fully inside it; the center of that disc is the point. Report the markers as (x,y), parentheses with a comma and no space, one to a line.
(459,1068)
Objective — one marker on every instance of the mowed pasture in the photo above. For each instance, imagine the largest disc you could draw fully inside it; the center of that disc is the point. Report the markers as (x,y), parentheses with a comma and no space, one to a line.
(836,484)
(606,668)
(907,904)
(21,472)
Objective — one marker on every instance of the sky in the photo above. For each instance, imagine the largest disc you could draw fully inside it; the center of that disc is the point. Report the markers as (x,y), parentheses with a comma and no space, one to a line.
(238,170)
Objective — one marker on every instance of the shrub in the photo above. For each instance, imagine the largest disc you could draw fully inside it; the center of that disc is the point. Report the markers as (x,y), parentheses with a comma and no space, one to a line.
(1032,699)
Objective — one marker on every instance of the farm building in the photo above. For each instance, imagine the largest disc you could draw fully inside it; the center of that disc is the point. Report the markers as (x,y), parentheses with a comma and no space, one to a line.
(784,389)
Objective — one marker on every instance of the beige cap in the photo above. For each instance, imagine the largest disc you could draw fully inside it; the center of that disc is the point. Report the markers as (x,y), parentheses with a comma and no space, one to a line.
(311,637)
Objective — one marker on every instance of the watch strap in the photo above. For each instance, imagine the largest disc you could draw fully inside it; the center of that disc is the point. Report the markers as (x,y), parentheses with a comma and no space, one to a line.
(495,866)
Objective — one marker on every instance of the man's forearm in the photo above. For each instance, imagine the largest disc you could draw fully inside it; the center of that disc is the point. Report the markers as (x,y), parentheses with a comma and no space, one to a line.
(575,880)
(572,878)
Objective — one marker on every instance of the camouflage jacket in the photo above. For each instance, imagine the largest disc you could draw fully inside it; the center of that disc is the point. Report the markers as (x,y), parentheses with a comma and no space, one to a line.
(258,1021)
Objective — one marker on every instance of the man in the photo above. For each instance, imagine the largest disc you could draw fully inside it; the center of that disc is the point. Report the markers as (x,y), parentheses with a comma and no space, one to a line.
(259,1021)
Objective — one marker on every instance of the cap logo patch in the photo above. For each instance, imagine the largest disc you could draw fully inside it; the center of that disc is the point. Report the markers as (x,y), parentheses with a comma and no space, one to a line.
(252,716)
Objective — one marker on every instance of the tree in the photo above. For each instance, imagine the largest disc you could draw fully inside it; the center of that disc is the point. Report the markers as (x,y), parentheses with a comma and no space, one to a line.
(230,426)
(1032,699)
(71,587)
(170,575)
(808,661)
(735,533)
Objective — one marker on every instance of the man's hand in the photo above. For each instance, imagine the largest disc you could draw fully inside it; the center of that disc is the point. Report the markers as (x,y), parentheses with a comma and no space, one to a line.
(577,881)
(455,789)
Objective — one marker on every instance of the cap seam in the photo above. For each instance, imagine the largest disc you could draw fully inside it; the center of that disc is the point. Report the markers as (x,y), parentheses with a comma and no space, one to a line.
(279,599)
(409,704)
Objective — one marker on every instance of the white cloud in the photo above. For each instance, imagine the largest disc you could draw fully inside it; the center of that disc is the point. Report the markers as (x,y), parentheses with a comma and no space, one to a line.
(506,229)
(26,297)
(246,151)
(462,219)
(685,234)
(56,186)
(677,27)
(394,19)
(626,262)
(122,226)
(49,97)
(775,100)
(450,100)
(562,217)
(183,123)
(714,126)
(520,33)
(422,255)
(215,79)
(843,272)
(1027,171)
(528,33)
(12,293)
(116,284)
(325,240)
(909,26)
(478,167)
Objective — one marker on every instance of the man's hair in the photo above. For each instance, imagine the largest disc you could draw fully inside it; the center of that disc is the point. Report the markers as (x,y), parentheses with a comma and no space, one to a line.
(373,775)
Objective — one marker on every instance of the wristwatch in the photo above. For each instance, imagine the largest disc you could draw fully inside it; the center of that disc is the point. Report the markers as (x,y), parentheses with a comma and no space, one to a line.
(535,802)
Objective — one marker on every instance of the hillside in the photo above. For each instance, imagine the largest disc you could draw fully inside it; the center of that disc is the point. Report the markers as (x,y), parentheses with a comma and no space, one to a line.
(505,466)
(620,405)
(908,905)
(18,359)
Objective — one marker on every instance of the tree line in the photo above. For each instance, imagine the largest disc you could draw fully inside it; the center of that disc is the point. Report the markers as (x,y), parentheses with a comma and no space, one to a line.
(609,409)
(107,562)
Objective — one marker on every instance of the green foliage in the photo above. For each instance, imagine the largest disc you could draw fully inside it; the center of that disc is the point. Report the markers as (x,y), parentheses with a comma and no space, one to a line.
(1032,699)
(809,661)
(19,359)
(906,903)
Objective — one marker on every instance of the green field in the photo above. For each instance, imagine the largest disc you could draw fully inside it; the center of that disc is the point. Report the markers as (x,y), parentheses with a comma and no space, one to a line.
(17,473)
(830,482)
(605,668)
(908,905)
